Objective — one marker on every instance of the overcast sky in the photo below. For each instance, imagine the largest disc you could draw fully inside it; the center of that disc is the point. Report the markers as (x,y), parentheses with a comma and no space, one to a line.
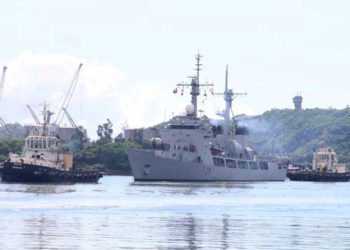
(135,52)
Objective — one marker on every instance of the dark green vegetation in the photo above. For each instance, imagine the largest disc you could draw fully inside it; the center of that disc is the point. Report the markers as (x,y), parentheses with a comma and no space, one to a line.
(8,145)
(107,153)
(297,133)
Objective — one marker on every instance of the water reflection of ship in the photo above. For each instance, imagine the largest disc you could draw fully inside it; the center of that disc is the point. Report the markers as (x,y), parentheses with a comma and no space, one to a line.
(191,149)
(191,230)
(39,233)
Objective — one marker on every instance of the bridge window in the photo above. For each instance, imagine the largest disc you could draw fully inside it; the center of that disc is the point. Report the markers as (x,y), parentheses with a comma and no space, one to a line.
(219,162)
(231,163)
(263,165)
(253,165)
(184,127)
(242,164)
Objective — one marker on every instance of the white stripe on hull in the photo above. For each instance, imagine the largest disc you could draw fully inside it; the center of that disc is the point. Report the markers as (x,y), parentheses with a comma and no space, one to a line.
(147,167)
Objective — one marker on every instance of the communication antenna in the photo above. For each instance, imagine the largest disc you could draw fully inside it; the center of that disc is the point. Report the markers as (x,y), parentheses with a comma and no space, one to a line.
(195,84)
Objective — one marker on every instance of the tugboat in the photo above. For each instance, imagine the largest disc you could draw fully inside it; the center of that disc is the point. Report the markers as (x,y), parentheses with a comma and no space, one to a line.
(190,148)
(43,162)
(325,168)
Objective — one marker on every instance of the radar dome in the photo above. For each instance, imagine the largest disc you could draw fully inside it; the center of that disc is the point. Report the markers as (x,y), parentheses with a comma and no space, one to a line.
(189,109)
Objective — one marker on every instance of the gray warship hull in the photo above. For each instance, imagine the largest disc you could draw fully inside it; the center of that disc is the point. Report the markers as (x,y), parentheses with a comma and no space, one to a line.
(146,166)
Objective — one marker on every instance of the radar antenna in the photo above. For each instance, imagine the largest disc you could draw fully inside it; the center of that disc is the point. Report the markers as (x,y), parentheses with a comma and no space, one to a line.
(195,84)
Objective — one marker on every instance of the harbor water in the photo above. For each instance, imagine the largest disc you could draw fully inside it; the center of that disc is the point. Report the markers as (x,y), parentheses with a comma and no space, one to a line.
(118,213)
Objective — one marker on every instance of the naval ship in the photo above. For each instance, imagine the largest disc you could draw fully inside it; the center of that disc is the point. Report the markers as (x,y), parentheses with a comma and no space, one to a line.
(190,148)
(43,162)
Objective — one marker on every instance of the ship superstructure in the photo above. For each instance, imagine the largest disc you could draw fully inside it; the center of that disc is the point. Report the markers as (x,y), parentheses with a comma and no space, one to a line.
(190,148)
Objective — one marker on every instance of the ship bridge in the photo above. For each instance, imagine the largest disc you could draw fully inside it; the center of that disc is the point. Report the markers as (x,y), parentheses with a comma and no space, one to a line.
(186,122)
(41,142)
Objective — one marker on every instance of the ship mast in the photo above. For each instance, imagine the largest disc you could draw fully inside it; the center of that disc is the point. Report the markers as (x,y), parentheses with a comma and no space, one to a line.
(195,85)
(45,129)
(47,118)
(229,96)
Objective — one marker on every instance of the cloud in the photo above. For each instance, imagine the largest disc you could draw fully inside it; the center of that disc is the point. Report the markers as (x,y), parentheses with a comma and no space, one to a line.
(34,77)
(103,91)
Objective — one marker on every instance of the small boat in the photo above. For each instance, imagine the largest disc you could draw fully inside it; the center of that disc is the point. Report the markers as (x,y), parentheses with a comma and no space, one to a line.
(43,162)
(325,168)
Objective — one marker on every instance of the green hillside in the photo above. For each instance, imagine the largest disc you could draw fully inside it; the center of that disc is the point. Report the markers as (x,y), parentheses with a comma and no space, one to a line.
(297,133)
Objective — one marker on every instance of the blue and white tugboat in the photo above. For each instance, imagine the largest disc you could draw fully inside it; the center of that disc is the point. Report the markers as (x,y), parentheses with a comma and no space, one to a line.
(43,162)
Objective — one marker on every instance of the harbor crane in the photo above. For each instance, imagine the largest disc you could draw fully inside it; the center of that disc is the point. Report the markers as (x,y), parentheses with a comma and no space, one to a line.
(34,115)
(68,97)
(3,124)
(79,129)
(70,119)
(2,81)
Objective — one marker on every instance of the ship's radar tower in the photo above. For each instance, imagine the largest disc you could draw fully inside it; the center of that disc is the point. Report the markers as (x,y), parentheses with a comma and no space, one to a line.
(297,100)
(195,85)
(229,96)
